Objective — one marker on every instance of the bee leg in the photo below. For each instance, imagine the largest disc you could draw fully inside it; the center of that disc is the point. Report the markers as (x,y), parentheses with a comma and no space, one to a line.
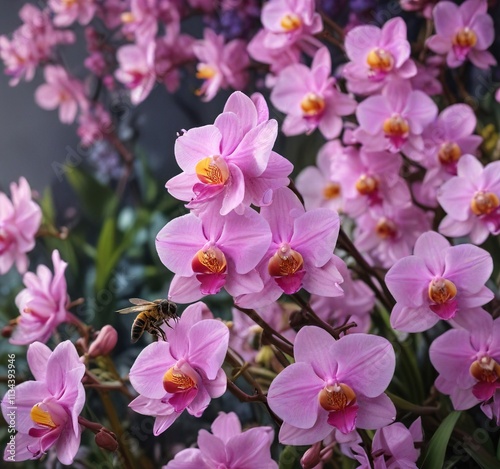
(158,331)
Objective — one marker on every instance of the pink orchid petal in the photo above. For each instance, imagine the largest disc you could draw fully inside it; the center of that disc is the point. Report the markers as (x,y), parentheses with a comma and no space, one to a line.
(208,342)
(293,395)
(362,352)
(196,144)
(290,435)
(412,319)
(408,280)
(146,374)
(375,412)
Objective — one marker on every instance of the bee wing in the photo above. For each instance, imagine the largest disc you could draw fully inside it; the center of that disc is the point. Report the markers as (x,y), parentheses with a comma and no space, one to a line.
(139,301)
(134,309)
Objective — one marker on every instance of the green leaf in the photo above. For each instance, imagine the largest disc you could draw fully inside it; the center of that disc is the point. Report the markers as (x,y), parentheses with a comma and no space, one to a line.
(47,206)
(436,451)
(98,201)
(290,458)
(485,459)
(105,254)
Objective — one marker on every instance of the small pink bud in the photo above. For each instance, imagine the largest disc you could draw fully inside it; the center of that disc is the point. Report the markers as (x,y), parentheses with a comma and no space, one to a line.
(106,440)
(104,343)
(311,457)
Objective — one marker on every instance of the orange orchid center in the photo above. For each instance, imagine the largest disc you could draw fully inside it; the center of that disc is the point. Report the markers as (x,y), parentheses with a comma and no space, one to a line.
(449,152)
(380,60)
(212,170)
(175,381)
(483,203)
(127,17)
(336,397)
(366,185)
(69,3)
(331,191)
(396,126)
(290,22)
(486,370)
(386,228)
(441,290)
(465,38)
(285,262)
(312,104)
(209,260)
(42,417)
(205,72)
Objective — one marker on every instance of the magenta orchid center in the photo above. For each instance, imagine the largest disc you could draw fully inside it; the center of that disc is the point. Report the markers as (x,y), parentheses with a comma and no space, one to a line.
(212,170)
(290,22)
(483,203)
(441,291)
(336,397)
(42,417)
(331,190)
(209,260)
(312,105)
(386,228)
(285,262)
(366,184)
(380,60)
(485,370)
(465,38)
(449,153)
(177,379)
(396,127)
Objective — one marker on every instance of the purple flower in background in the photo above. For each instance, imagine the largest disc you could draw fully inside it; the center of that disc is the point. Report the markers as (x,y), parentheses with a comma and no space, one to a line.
(184,373)
(61,91)
(333,385)
(136,69)
(310,98)
(377,55)
(468,362)
(472,200)
(319,185)
(228,447)
(42,304)
(438,281)
(463,32)
(47,409)
(19,223)
(221,64)
(67,12)
(388,232)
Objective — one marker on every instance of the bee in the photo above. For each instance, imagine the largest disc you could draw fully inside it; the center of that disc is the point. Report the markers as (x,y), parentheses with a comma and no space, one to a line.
(152,314)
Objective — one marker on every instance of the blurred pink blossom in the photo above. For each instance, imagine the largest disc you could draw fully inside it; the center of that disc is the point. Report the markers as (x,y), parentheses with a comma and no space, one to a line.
(42,304)
(61,91)
(221,65)
(20,219)
(69,11)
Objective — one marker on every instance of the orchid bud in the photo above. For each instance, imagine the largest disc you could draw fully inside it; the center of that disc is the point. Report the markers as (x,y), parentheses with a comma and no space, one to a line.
(104,343)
